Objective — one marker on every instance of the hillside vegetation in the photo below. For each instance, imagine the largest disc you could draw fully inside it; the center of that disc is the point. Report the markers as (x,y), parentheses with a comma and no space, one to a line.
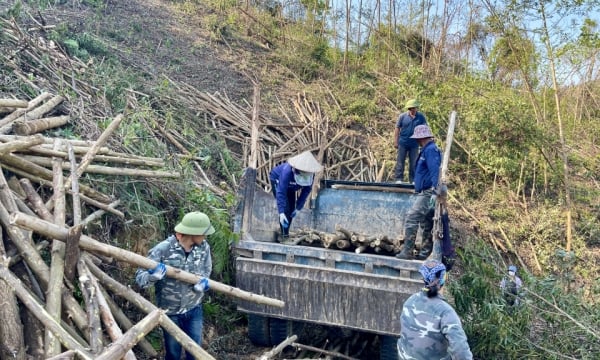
(525,163)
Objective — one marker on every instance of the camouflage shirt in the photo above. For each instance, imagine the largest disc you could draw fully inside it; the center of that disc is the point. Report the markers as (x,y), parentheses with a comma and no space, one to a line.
(174,296)
(431,330)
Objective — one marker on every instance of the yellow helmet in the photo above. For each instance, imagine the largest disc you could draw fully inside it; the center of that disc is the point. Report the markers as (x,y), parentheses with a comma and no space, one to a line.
(412,103)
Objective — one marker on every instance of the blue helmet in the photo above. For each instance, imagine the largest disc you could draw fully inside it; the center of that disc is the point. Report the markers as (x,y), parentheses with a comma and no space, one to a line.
(512,268)
(433,270)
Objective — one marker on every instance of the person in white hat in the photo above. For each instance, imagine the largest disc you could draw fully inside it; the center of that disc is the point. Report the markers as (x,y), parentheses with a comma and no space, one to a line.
(407,146)
(421,213)
(287,179)
(182,302)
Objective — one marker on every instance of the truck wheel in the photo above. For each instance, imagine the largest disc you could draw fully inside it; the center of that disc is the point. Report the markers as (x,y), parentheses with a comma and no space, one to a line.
(258,330)
(389,348)
(279,330)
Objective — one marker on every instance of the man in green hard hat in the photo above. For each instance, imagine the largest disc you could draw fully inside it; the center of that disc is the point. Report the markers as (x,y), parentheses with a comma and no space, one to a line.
(407,146)
(185,250)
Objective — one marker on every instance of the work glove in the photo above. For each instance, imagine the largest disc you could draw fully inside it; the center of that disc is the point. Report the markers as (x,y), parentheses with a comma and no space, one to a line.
(294,213)
(432,199)
(283,220)
(158,272)
(201,285)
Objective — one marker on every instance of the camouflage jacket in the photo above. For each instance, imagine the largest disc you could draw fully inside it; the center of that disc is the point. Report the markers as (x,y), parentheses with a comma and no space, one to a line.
(174,296)
(431,330)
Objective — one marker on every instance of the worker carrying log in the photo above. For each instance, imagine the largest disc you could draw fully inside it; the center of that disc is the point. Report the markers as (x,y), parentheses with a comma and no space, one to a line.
(423,209)
(185,250)
(291,184)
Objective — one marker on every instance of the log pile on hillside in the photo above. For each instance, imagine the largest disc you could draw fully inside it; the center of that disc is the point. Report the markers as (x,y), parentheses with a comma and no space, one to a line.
(48,197)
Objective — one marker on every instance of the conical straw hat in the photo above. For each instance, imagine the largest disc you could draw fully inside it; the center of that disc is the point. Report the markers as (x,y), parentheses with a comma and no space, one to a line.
(305,162)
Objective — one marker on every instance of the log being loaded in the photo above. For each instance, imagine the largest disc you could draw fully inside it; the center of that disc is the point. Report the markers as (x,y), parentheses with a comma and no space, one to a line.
(87,243)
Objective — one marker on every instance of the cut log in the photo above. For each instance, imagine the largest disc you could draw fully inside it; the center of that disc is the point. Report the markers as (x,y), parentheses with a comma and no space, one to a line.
(91,305)
(123,320)
(119,348)
(41,110)
(20,144)
(42,315)
(17,113)
(89,244)
(28,127)
(14,103)
(147,307)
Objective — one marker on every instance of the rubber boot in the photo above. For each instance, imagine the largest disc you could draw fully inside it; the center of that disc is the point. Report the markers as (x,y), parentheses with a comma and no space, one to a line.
(425,249)
(407,250)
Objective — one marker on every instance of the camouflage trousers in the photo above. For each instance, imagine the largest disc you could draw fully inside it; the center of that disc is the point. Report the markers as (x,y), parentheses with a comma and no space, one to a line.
(420,214)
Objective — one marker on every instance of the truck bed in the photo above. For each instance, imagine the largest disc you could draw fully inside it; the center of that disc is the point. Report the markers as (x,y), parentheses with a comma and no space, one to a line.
(319,285)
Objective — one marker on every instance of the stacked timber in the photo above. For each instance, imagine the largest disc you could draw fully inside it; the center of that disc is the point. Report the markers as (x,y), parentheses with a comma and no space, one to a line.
(344,239)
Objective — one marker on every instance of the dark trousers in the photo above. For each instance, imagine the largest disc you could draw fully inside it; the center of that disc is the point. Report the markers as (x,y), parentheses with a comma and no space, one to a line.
(290,206)
(412,153)
(191,323)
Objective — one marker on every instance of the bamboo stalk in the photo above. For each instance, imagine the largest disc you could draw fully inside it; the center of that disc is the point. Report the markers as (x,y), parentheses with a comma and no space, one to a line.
(40,313)
(89,156)
(20,144)
(105,170)
(124,321)
(89,244)
(14,103)
(119,349)
(28,127)
(19,112)
(147,307)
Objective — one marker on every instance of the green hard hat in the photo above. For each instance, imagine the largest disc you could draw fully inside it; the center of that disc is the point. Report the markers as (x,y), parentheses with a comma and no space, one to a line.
(412,103)
(195,223)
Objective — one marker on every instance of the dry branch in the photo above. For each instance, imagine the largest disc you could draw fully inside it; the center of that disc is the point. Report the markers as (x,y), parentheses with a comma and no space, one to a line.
(279,348)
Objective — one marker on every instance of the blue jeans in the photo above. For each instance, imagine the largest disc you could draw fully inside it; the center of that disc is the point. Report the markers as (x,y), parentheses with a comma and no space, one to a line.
(191,323)
(412,153)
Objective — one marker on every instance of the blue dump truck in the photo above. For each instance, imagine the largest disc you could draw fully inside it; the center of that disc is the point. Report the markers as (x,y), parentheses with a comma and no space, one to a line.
(358,291)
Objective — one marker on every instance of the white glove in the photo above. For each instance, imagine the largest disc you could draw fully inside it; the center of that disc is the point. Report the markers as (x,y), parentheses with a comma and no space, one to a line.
(283,220)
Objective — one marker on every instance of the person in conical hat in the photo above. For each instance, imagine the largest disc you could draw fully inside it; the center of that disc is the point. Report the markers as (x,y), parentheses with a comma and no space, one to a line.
(291,183)
(421,213)
(403,141)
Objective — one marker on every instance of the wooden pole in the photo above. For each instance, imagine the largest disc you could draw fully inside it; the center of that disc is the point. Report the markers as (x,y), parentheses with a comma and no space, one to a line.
(120,348)
(41,314)
(254,136)
(147,307)
(21,144)
(23,127)
(14,103)
(89,244)
(441,200)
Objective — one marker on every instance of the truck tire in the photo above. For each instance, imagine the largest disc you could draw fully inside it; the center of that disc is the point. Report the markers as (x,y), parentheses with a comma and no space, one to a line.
(279,330)
(258,330)
(388,348)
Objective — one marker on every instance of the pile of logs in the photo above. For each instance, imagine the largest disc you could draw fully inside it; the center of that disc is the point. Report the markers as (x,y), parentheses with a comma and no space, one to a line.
(346,240)
(55,320)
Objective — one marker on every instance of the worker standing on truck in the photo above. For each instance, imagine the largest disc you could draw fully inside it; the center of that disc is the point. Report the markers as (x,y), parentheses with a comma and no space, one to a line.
(430,329)
(426,179)
(405,126)
(185,250)
(296,174)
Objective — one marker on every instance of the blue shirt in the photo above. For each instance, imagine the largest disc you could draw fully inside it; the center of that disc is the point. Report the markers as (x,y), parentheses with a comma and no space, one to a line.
(282,176)
(427,170)
(406,124)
